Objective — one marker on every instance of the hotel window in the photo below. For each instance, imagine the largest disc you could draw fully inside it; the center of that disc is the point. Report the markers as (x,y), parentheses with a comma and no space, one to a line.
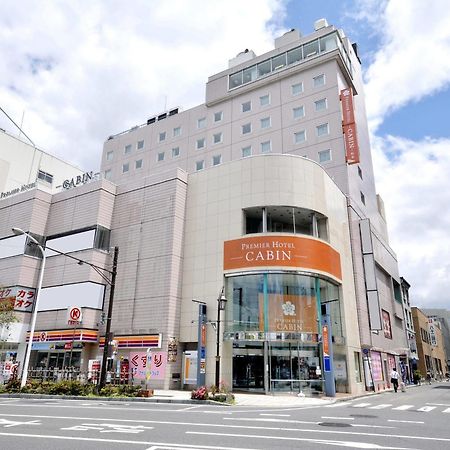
(162,136)
(160,156)
(322,130)
(363,198)
(44,176)
(300,137)
(266,147)
(217,138)
(265,123)
(298,112)
(109,156)
(358,377)
(175,152)
(108,174)
(264,100)
(200,143)
(246,151)
(297,88)
(321,104)
(201,123)
(325,156)
(199,165)
(125,167)
(246,106)
(218,116)
(319,80)
(247,128)
(138,164)
(140,145)
(177,131)
(216,160)
(127,150)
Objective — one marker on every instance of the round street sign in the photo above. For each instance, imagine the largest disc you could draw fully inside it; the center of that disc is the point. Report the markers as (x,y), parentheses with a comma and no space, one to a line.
(75,313)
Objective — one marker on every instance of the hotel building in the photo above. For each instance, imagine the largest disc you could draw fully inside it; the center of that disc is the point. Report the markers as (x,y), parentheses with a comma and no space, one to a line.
(265,194)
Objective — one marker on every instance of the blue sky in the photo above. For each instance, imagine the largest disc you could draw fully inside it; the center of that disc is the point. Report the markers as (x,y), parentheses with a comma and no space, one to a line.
(76,72)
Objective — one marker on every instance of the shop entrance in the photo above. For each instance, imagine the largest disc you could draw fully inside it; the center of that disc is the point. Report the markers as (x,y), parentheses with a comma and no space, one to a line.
(290,367)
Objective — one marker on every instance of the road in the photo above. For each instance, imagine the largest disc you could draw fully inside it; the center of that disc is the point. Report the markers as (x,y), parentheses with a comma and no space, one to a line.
(417,419)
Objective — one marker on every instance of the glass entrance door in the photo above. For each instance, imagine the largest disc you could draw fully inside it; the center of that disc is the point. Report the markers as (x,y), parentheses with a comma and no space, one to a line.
(248,367)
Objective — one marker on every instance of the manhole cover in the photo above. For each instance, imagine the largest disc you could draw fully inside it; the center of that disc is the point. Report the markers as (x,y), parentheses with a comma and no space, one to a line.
(363,416)
(335,424)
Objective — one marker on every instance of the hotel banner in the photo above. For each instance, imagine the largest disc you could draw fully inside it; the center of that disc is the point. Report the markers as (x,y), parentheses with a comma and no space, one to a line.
(348,114)
(289,313)
(351,144)
(282,251)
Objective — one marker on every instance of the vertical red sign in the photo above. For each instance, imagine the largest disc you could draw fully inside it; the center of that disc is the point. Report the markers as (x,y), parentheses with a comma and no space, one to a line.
(348,114)
(326,349)
(349,127)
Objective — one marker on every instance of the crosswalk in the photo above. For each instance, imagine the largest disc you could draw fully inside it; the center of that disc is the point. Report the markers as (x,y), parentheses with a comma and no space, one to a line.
(406,407)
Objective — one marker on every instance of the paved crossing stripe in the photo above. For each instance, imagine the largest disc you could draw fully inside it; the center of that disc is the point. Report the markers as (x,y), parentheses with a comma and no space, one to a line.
(361,405)
(402,407)
(446,410)
(427,408)
(382,406)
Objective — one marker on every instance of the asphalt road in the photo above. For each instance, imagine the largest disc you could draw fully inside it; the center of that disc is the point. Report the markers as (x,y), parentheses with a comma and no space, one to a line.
(416,419)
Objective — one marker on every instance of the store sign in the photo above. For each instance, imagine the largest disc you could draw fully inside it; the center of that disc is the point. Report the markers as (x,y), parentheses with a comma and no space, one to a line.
(23,188)
(21,298)
(87,177)
(74,315)
(288,313)
(432,331)
(148,365)
(349,127)
(282,251)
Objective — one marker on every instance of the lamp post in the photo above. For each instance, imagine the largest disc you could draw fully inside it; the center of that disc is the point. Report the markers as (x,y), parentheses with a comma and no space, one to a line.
(221,302)
(26,363)
(98,269)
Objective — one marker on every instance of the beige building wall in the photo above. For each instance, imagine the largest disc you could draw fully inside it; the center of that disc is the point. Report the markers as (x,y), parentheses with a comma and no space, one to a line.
(215,203)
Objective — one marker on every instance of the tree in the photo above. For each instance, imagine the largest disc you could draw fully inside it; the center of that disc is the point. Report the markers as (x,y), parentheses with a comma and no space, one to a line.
(7,315)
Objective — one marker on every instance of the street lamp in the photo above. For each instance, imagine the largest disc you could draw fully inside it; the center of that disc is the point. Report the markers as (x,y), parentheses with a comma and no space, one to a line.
(18,232)
(221,303)
(98,269)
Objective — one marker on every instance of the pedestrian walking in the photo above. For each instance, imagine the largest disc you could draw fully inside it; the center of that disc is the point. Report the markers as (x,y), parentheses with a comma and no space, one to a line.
(394,378)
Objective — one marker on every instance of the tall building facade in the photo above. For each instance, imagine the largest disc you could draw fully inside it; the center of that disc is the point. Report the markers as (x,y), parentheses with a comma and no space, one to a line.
(442,316)
(265,194)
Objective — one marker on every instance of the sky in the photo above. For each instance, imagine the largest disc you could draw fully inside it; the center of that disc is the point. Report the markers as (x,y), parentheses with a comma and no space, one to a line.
(75,72)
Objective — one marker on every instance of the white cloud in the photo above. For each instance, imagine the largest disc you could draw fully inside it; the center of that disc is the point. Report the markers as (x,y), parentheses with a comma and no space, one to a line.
(412,178)
(412,175)
(87,69)
(413,61)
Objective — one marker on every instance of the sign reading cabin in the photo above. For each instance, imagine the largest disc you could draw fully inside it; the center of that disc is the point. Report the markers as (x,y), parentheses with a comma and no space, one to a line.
(282,251)
(87,177)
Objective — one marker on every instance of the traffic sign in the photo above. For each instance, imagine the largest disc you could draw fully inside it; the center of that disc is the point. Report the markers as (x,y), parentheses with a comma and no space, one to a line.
(74,315)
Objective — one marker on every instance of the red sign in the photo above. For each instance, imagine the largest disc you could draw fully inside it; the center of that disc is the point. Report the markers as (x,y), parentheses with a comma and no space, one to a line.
(74,315)
(284,251)
(326,348)
(348,114)
(351,144)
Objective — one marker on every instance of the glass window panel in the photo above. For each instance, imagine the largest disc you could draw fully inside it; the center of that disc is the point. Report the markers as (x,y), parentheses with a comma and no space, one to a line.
(247,128)
(199,165)
(102,238)
(266,147)
(217,159)
(265,123)
(125,167)
(324,156)
(201,123)
(127,149)
(140,145)
(246,151)
(246,106)
(138,164)
(264,100)
(321,104)
(322,130)
(162,136)
(299,112)
(218,116)
(161,156)
(300,137)
(108,174)
(297,88)
(311,48)
(217,138)
(278,62)
(175,152)
(177,131)
(264,68)
(319,80)
(109,156)
(235,80)
(200,143)
(249,74)
(328,43)
(294,55)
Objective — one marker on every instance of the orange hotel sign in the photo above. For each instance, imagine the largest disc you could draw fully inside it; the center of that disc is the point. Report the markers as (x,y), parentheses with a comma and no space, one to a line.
(282,251)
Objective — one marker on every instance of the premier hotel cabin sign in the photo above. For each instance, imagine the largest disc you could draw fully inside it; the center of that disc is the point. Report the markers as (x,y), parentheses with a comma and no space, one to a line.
(282,251)
(349,127)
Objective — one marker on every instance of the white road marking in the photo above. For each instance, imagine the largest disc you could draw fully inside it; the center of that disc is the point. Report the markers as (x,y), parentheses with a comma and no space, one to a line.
(12,423)
(361,405)
(249,419)
(438,404)
(351,444)
(163,445)
(403,407)
(276,415)
(381,406)
(446,410)
(338,418)
(405,421)
(427,408)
